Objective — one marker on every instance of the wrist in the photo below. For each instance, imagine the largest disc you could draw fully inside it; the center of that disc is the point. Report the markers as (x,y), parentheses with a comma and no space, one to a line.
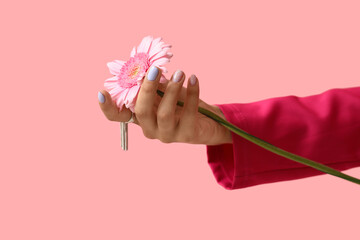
(226,133)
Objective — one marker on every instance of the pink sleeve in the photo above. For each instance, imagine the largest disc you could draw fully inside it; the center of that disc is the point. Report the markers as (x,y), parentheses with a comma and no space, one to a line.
(324,128)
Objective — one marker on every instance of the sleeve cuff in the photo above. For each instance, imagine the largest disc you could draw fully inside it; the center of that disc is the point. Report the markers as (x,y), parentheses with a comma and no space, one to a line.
(221,158)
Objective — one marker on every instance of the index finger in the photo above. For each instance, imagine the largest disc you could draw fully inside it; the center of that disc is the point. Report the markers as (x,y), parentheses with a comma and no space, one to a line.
(146,98)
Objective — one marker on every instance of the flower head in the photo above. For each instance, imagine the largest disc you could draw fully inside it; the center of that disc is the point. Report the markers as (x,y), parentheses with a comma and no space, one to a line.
(128,76)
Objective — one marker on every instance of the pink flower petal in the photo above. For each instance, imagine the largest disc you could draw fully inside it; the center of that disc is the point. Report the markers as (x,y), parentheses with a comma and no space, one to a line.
(120,62)
(114,92)
(111,82)
(156,47)
(132,108)
(121,98)
(164,70)
(160,61)
(131,105)
(162,53)
(112,79)
(167,46)
(115,66)
(145,44)
(131,95)
(156,41)
(133,52)
(163,79)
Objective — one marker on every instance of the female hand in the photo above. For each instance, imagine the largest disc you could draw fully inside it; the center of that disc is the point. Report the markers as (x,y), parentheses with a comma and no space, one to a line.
(160,117)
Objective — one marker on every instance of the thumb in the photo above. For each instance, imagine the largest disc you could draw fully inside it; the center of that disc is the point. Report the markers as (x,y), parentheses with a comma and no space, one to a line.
(111,110)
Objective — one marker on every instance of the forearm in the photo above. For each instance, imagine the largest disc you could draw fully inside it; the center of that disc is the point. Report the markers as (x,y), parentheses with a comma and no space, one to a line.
(323,127)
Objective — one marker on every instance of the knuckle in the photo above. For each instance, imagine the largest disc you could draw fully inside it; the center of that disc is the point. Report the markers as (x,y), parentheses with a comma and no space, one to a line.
(187,137)
(149,134)
(164,116)
(141,113)
(172,88)
(165,139)
(146,89)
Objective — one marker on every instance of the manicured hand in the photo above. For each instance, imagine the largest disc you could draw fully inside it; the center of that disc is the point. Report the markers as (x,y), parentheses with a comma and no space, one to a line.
(160,117)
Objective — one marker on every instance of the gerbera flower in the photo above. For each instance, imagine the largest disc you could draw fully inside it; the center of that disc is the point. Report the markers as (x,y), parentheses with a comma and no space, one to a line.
(128,76)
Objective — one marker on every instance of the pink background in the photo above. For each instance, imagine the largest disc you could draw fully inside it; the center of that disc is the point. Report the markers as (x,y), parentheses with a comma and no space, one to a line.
(63,174)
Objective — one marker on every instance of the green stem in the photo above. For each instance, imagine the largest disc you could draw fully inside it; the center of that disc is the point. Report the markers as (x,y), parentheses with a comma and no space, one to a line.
(269,146)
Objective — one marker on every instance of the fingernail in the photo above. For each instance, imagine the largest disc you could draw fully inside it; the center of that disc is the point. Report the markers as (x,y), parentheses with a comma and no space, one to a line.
(153,72)
(178,76)
(101,97)
(193,79)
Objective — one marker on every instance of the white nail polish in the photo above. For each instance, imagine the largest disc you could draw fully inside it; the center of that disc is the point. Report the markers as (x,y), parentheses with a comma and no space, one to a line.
(178,76)
(193,80)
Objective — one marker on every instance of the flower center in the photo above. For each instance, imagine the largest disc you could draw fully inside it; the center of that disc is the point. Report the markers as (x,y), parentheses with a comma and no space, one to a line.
(133,70)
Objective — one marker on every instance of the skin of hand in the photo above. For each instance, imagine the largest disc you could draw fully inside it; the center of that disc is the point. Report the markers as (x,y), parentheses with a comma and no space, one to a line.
(160,117)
